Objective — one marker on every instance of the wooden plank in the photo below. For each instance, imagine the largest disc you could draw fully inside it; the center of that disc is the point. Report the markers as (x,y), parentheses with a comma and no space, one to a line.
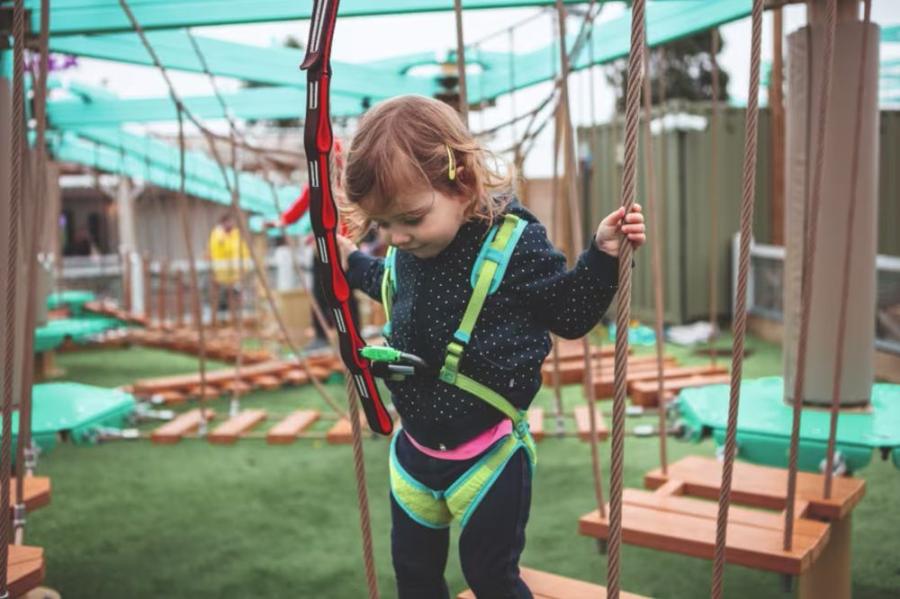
(183,382)
(572,371)
(289,429)
(604,383)
(536,423)
(573,349)
(686,534)
(175,429)
(229,431)
(295,377)
(237,385)
(804,527)
(544,585)
(762,486)
(583,424)
(643,393)
(25,569)
(171,397)
(267,382)
(209,392)
(676,373)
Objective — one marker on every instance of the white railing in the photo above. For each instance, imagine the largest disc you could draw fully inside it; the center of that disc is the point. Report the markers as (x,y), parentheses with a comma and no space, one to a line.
(765,290)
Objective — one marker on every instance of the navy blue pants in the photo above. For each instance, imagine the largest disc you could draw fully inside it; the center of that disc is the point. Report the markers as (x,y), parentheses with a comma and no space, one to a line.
(490,544)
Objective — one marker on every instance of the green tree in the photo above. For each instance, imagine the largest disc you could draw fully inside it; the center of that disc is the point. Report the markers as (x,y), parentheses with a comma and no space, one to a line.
(685,66)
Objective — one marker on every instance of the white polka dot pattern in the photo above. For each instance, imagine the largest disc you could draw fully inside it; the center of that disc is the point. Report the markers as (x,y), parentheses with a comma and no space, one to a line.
(510,340)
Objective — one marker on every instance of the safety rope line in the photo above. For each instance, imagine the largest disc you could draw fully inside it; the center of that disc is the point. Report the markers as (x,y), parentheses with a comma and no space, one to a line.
(623,304)
(848,248)
(25,454)
(237,139)
(572,198)
(184,112)
(461,63)
(655,215)
(577,47)
(712,185)
(809,251)
(17,175)
(740,315)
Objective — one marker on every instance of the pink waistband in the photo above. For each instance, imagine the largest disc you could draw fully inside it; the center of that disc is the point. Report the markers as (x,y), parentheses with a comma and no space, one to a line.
(470,448)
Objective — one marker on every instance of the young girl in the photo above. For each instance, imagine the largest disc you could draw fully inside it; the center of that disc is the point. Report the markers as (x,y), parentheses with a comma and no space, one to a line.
(473,288)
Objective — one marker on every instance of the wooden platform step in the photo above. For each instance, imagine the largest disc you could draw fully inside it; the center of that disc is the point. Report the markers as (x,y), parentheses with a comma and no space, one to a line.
(762,486)
(583,423)
(231,430)
(36,492)
(171,397)
(644,393)
(544,585)
(24,569)
(687,526)
(175,429)
(288,429)
(572,371)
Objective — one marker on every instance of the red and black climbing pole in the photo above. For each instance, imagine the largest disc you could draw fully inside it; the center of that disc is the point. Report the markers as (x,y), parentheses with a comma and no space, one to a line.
(318,139)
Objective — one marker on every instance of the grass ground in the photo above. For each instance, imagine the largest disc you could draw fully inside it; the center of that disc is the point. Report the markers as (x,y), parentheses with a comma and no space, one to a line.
(129,519)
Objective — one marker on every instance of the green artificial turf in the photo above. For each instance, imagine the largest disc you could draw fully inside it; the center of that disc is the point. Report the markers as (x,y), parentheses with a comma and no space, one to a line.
(129,519)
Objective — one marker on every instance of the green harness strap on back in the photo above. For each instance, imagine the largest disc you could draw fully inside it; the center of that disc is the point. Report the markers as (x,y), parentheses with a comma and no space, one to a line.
(436,509)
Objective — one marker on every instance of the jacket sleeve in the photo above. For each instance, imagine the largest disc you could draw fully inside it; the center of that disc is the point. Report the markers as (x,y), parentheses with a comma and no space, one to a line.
(569,303)
(297,209)
(365,272)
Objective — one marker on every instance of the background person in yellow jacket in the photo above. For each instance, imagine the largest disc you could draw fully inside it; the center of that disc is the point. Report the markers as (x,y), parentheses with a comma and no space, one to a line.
(226,250)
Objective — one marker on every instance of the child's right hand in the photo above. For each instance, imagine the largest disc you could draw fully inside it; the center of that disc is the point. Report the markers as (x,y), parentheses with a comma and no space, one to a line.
(346,247)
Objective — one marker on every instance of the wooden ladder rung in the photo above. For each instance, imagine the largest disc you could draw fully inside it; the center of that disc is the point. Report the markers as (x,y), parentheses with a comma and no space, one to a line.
(289,428)
(229,431)
(583,423)
(174,430)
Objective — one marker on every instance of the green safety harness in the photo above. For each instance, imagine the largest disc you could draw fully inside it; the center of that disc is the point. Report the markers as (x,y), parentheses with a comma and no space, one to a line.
(437,509)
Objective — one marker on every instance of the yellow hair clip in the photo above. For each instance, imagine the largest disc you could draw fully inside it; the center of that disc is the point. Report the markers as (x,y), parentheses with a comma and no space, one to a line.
(451,169)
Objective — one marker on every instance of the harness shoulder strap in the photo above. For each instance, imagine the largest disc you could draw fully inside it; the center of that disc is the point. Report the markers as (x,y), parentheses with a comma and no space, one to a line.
(388,286)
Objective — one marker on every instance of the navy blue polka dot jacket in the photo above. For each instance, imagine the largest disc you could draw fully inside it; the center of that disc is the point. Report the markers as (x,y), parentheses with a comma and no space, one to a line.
(511,338)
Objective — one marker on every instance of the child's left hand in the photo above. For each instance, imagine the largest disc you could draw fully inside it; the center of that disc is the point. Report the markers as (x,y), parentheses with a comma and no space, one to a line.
(610,231)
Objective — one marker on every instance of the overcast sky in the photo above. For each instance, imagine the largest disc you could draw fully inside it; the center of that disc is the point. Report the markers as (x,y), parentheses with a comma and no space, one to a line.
(365,39)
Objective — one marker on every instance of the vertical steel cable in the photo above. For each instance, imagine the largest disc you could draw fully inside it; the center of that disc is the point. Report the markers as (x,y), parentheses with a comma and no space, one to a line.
(655,216)
(740,316)
(25,454)
(712,189)
(17,149)
(809,251)
(848,248)
(623,303)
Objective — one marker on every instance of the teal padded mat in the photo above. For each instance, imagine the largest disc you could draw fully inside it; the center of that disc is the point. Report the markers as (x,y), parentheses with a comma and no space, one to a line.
(79,330)
(72,299)
(74,411)
(764,424)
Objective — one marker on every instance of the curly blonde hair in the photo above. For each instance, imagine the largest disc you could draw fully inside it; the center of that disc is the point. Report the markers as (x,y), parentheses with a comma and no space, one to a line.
(403,145)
